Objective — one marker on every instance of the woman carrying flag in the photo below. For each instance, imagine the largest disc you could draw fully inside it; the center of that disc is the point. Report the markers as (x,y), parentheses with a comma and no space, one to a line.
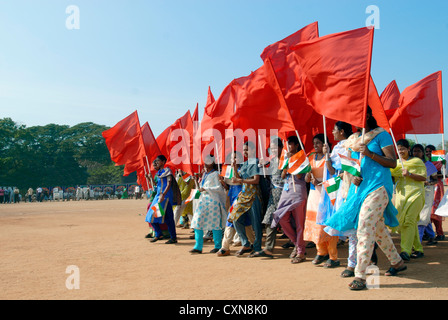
(161,208)
(319,208)
(409,199)
(368,207)
(248,202)
(291,207)
(233,192)
(210,213)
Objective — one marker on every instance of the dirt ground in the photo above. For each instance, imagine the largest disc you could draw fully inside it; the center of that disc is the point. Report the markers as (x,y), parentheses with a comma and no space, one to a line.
(104,239)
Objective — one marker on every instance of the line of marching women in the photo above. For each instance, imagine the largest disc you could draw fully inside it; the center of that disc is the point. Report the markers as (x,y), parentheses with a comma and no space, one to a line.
(378,192)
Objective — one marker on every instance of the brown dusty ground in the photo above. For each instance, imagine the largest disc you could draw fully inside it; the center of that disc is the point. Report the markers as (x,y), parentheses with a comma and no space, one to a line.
(105,240)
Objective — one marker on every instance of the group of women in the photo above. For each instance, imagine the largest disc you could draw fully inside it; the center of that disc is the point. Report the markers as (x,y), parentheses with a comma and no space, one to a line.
(363,212)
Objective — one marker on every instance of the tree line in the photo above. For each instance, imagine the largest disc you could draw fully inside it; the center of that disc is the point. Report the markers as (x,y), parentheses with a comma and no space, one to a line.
(56,155)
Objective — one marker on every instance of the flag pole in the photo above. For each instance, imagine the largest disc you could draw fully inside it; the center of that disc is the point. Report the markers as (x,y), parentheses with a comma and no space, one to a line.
(396,147)
(292,176)
(325,138)
(300,141)
(147,183)
(360,155)
(217,157)
(149,170)
(262,156)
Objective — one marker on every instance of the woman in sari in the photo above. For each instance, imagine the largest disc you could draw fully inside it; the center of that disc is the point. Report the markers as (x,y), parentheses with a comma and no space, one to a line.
(291,209)
(164,199)
(319,208)
(210,212)
(368,207)
(409,199)
(248,201)
(439,191)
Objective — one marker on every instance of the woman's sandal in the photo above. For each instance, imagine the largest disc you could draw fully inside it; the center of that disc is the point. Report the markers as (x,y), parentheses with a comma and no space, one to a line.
(347,273)
(332,263)
(357,284)
(319,259)
(394,271)
(261,254)
(298,259)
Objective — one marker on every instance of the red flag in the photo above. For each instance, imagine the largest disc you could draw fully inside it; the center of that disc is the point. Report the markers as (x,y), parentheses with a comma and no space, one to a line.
(175,143)
(390,98)
(336,74)
(279,50)
(259,94)
(421,107)
(376,105)
(289,75)
(195,116)
(151,147)
(217,116)
(125,143)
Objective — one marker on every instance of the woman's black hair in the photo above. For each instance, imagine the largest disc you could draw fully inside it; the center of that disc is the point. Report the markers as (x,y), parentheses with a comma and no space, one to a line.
(295,140)
(430,146)
(418,146)
(212,158)
(371,122)
(249,144)
(161,157)
(347,127)
(278,142)
(321,137)
(403,143)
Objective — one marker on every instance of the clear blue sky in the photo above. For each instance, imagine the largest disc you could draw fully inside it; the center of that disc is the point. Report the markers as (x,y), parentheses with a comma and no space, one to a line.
(159,57)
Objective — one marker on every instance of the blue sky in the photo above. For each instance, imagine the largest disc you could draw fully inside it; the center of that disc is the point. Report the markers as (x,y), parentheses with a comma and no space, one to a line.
(160,57)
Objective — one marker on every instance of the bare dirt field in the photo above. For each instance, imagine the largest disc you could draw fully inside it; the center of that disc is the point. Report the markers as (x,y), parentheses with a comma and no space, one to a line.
(105,241)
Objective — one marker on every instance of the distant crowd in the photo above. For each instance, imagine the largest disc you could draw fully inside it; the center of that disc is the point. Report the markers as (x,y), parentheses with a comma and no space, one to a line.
(41,194)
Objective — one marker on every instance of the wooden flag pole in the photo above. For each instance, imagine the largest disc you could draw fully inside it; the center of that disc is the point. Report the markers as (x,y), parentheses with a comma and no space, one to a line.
(147,183)
(300,141)
(396,147)
(292,176)
(262,156)
(325,138)
(149,170)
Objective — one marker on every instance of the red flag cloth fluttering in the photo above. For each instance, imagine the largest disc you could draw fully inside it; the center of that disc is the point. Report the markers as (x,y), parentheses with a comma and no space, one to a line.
(336,74)
(420,107)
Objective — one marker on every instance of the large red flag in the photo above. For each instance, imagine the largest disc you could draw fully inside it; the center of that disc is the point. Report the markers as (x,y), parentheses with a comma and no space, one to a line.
(260,103)
(175,143)
(376,105)
(288,72)
(390,98)
(260,108)
(195,116)
(279,50)
(151,147)
(420,107)
(217,118)
(125,143)
(336,74)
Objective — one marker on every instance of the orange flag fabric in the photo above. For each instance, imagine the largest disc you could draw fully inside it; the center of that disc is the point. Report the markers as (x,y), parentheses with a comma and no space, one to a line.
(336,74)
(390,98)
(125,143)
(421,107)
